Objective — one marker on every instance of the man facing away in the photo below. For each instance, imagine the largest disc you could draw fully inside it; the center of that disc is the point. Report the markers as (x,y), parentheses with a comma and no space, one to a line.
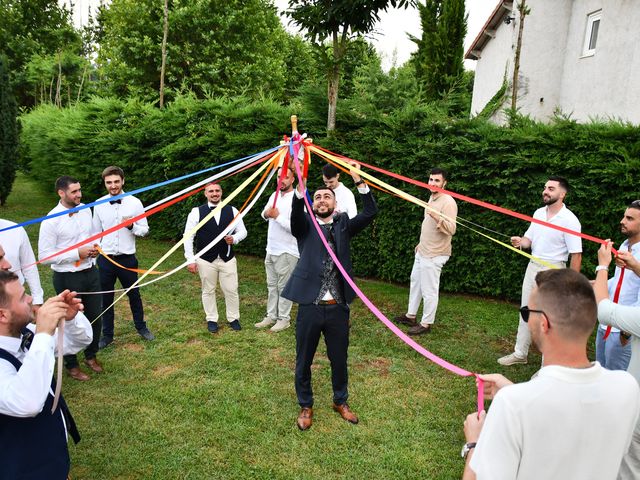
(20,255)
(33,438)
(282,255)
(74,270)
(120,246)
(345,200)
(432,252)
(219,263)
(322,294)
(574,420)
(614,353)
(550,245)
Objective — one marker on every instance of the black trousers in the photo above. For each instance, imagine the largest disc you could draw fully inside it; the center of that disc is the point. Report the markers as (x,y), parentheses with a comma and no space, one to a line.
(311,322)
(83,281)
(109,273)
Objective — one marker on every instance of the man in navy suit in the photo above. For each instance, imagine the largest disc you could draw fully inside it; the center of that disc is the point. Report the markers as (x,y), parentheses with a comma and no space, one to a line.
(322,293)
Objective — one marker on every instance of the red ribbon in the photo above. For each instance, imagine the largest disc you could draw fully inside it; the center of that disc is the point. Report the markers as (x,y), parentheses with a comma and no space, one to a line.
(616,297)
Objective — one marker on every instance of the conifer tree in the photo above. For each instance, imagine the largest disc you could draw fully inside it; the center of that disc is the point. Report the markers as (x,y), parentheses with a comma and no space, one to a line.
(8,132)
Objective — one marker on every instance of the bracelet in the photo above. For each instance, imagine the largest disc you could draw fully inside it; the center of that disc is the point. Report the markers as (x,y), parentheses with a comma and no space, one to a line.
(602,267)
(359,182)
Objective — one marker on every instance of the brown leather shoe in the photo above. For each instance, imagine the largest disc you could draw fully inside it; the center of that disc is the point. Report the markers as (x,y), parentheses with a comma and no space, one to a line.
(403,319)
(93,364)
(346,413)
(304,419)
(78,374)
(419,330)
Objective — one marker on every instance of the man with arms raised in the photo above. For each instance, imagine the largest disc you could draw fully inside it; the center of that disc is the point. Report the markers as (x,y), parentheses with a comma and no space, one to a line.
(574,420)
(550,245)
(322,293)
(120,246)
(74,270)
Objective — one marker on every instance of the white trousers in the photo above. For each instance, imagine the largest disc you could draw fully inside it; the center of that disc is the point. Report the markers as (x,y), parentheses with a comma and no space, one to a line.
(278,269)
(227,274)
(523,340)
(425,286)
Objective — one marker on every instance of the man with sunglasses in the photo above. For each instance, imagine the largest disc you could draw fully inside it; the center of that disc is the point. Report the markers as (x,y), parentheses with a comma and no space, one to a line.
(575,419)
(614,352)
(551,246)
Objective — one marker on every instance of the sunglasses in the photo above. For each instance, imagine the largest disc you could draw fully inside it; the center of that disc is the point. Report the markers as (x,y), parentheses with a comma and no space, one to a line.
(526,311)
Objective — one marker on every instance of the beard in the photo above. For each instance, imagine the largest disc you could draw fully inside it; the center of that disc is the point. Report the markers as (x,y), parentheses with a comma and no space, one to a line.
(326,214)
(549,200)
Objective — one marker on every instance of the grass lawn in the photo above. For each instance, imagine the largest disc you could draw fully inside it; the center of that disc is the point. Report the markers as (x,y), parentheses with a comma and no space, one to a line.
(191,405)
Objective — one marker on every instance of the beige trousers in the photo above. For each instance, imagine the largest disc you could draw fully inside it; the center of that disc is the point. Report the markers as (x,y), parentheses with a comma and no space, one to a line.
(227,274)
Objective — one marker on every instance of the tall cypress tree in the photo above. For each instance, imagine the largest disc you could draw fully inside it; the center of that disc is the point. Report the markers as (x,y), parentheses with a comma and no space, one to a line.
(439,58)
(8,132)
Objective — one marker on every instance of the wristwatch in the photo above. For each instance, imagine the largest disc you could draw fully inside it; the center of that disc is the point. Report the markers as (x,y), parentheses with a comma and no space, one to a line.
(466,448)
(359,182)
(601,267)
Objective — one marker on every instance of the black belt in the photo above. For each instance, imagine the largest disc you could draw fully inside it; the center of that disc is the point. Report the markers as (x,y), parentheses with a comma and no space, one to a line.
(333,301)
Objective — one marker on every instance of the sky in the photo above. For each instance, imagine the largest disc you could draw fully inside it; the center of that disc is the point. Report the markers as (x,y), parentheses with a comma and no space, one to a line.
(390,37)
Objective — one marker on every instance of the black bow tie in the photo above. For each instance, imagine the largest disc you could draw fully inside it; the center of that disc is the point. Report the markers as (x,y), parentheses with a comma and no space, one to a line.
(27,338)
(111,202)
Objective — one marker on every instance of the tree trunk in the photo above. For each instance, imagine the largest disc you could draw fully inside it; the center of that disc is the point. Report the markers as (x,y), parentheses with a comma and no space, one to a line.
(165,33)
(59,82)
(339,49)
(84,73)
(522,9)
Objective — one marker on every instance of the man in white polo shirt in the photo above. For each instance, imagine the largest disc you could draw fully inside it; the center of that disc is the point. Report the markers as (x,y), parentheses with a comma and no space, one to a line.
(282,255)
(345,200)
(550,245)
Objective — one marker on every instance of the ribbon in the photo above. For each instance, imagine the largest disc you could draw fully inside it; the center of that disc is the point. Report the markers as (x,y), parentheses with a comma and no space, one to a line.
(616,297)
(60,346)
(111,260)
(391,326)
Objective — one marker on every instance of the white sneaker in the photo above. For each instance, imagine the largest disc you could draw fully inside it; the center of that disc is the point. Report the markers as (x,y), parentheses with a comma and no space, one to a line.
(511,359)
(266,322)
(280,325)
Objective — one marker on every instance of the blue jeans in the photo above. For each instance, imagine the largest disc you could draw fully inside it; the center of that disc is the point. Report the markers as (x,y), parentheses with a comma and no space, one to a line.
(610,353)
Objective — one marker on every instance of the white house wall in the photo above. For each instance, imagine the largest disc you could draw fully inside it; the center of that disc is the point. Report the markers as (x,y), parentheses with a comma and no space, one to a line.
(607,84)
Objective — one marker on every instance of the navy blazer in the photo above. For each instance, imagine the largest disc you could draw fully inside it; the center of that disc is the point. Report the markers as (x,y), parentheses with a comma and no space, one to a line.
(305,281)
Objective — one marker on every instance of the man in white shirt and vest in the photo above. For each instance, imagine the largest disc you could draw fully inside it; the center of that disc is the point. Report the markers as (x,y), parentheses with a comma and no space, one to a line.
(282,254)
(218,264)
(74,270)
(345,200)
(548,244)
(120,247)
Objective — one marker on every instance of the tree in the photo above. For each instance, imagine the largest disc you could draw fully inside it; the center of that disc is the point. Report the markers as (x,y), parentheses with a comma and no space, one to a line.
(33,27)
(523,10)
(337,21)
(439,58)
(165,34)
(215,47)
(8,132)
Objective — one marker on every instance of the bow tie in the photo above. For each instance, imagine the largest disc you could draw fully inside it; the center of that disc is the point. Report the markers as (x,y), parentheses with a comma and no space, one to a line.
(119,201)
(27,338)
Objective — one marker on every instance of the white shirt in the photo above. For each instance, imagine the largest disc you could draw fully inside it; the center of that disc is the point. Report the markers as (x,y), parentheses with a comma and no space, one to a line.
(61,232)
(630,288)
(279,238)
(345,200)
(24,392)
(628,319)
(550,244)
(239,233)
(566,423)
(107,215)
(19,253)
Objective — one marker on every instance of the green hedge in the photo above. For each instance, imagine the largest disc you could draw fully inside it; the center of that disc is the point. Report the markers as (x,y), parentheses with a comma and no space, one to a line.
(504,166)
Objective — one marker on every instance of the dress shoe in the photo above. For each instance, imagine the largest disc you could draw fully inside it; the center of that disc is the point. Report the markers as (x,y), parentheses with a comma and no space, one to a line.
(403,319)
(304,419)
(212,327)
(235,325)
(93,364)
(104,342)
(146,334)
(78,374)
(346,413)
(419,330)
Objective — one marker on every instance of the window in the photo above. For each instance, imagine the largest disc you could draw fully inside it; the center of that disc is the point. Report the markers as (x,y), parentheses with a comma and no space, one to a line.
(591,33)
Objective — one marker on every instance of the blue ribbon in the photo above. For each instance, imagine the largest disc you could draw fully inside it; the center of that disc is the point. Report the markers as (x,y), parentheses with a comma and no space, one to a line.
(143,189)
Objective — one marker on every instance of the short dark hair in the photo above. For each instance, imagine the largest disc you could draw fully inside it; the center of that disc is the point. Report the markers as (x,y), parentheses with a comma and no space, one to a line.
(112,170)
(324,187)
(568,298)
(635,204)
(439,171)
(213,183)
(330,171)
(5,277)
(63,182)
(563,182)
